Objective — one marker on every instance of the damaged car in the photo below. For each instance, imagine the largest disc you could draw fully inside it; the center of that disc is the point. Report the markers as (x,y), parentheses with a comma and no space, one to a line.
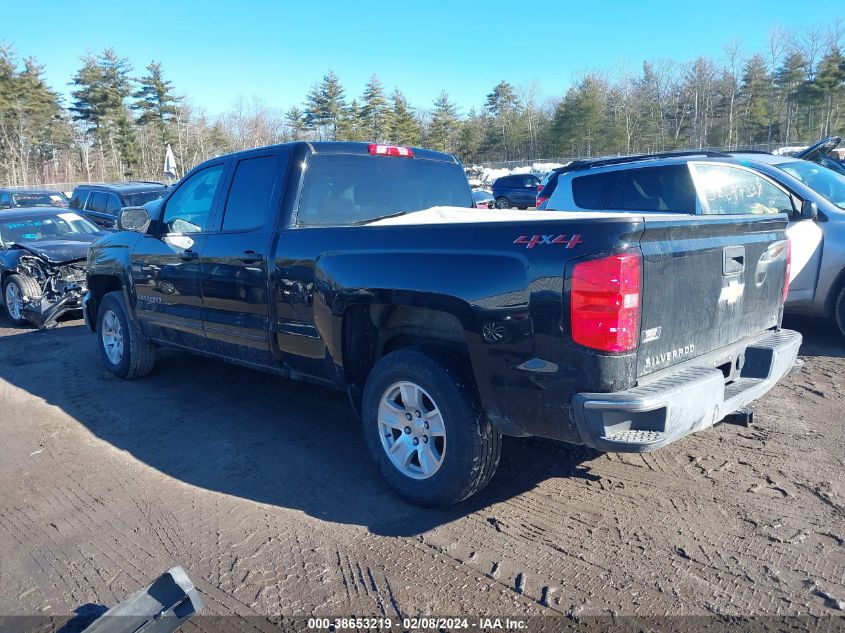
(42,263)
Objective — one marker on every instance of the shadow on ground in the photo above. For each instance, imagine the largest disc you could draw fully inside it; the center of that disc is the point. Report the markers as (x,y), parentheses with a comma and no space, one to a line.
(821,336)
(246,433)
(253,435)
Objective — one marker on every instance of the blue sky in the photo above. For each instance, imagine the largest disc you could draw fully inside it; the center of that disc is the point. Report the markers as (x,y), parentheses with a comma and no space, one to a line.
(216,51)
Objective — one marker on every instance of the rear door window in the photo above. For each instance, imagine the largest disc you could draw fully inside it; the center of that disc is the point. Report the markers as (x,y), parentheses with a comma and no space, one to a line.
(112,204)
(250,194)
(594,190)
(141,198)
(668,188)
(97,202)
(77,200)
(729,190)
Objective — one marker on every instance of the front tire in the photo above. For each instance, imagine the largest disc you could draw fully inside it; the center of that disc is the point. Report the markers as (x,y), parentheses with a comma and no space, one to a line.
(503,203)
(839,311)
(425,428)
(14,290)
(125,352)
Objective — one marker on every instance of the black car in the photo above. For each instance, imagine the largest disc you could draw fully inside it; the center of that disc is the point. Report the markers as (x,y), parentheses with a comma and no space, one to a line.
(42,263)
(19,198)
(516,190)
(102,203)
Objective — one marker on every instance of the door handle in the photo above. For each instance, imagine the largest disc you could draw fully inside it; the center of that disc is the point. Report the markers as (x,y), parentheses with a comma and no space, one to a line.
(733,260)
(251,257)
(188,255)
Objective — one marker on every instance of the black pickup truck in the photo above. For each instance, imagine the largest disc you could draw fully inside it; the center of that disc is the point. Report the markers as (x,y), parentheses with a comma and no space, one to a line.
(365,268)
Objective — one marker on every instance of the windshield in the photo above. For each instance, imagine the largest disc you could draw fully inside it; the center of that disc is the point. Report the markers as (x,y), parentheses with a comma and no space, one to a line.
(142,197)
(342,189)
(33,199)
(49,226)
(826,182)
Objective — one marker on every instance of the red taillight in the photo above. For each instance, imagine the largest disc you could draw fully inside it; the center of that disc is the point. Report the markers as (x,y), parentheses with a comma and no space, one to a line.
(605,303)
(788,269)
(539,188)
(540,200)
(391,150)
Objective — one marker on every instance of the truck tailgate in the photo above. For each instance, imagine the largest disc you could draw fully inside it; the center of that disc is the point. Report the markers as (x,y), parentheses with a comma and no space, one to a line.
(707,282)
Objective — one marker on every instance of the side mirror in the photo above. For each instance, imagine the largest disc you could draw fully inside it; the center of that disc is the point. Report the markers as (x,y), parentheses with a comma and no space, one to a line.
(809,210)
(133,219)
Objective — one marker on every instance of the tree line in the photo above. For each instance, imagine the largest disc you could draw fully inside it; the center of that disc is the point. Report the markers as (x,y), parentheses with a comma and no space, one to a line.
(116,124)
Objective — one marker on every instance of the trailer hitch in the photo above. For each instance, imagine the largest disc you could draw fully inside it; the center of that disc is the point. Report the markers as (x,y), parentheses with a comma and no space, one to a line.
(740,417)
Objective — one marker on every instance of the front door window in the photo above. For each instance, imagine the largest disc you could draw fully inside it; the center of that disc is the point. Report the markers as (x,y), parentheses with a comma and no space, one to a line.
(189,208)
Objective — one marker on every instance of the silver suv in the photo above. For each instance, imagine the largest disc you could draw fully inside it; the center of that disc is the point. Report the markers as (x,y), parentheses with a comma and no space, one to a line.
(738,183)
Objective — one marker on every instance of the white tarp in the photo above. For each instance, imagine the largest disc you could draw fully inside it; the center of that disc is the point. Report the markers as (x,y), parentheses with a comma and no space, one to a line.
(170,163)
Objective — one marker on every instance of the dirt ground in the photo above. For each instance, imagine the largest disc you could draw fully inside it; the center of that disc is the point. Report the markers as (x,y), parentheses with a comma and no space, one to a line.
(262,490)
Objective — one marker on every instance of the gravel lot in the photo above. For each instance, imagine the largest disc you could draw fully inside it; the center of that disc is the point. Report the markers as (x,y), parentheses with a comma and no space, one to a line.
(262,490)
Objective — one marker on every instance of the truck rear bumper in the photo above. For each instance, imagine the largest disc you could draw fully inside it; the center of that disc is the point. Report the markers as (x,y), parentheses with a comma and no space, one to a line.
(684,399)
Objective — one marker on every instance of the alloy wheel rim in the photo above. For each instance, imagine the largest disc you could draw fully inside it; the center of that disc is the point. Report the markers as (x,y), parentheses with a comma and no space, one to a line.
(412,430)
(14,301)
(112,336)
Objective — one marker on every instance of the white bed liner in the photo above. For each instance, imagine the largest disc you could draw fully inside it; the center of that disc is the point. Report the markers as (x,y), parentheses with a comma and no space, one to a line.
(463,215)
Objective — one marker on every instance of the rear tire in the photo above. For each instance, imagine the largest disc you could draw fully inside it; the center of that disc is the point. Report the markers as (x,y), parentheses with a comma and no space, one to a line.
(839,311)
(447,461)
(503,203)
(15,289)
(125,352)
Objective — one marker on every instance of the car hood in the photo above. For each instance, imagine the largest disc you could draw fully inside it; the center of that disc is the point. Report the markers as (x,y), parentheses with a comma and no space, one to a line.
(61,251)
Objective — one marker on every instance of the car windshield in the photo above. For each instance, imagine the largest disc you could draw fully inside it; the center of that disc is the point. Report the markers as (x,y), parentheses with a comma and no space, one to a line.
(37,199)
(344,189)
(49,226)
(142,197)
(823,180)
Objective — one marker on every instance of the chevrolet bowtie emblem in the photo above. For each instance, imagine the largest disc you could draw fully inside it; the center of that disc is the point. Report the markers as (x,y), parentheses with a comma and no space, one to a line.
(732,292)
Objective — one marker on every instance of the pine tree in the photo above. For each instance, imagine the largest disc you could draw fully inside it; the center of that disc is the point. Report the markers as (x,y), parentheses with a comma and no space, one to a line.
(352,127)
(754,94)
(374,111)
(295,122)
(404,127)
(788,79)
(579,119)
(502,105)
(325,107)
(444,124)
(470,136)
(831,82)
(31,126)
(156,103)
(103,85)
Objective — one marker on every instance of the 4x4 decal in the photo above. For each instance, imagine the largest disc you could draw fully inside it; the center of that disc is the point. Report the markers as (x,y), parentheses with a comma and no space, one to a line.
(534,240)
